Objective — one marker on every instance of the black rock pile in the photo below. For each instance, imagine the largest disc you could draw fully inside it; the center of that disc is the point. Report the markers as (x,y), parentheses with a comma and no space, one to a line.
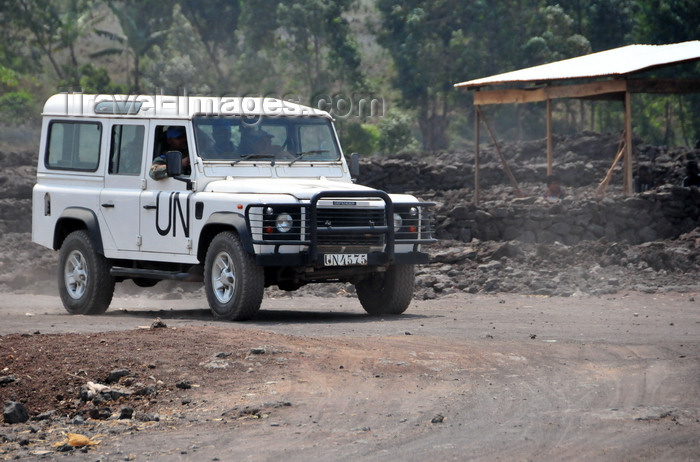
(585,244)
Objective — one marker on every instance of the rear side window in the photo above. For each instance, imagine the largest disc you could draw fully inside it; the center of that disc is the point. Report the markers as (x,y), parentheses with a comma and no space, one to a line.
(74,146)
(126,150)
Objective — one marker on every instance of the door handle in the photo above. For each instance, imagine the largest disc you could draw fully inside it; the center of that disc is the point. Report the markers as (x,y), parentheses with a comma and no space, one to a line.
(108,206)
(149,207)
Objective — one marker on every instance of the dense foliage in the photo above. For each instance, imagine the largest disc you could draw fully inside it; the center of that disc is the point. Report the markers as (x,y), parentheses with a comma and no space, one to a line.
(384,68)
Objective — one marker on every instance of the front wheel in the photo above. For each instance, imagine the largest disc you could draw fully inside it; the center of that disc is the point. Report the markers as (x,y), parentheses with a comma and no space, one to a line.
(233,282)
(389,292)
(84,281)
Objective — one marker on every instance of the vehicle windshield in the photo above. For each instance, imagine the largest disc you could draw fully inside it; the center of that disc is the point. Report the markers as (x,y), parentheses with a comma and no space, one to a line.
(239,138)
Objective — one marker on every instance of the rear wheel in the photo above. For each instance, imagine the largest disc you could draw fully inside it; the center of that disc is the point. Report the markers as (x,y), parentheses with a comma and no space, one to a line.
(389,292)
(233,282)
(84,281)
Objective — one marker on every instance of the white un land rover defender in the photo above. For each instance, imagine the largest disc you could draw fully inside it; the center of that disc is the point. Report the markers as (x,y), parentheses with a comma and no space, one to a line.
(240,193)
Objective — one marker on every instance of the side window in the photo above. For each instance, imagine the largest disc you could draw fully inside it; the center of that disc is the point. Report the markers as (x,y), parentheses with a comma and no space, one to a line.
(170,138)
(74,146)
(126,149)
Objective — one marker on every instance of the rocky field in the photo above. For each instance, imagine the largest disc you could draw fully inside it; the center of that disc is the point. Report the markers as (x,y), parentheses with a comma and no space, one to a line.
(479,250)
(516,347)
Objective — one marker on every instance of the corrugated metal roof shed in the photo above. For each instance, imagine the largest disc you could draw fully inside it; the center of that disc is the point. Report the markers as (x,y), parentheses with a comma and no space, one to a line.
(615,62)
(599,75)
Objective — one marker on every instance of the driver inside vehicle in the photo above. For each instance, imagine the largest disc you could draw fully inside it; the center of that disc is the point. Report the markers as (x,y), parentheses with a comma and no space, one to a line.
(176,140)
(261,143)
(223,146)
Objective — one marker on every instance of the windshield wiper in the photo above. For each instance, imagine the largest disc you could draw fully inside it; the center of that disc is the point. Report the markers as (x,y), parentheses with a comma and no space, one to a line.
(306,153)
(255,156)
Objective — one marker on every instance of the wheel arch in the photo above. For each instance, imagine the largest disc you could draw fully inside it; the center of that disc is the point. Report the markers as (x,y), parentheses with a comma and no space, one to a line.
(224,221)
(76,218)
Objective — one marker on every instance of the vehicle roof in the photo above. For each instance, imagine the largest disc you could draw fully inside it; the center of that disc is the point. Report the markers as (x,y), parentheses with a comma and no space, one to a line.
(172,107)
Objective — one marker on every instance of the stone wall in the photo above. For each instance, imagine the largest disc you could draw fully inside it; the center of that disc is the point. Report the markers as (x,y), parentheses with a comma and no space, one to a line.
(581,162)
(578,161)
(664,214)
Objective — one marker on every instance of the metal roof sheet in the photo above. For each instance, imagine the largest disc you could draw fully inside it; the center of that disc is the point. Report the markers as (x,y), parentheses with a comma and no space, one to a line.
(618,61)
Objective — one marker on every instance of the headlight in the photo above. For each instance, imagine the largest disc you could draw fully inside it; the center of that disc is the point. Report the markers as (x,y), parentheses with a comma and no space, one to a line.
(284,222)
(398,221)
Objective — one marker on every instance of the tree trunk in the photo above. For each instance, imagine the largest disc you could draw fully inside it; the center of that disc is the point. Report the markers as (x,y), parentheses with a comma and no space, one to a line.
(433,128)
(137,75)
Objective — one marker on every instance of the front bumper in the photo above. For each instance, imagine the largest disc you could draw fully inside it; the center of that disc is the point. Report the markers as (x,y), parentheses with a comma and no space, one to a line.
(341,222)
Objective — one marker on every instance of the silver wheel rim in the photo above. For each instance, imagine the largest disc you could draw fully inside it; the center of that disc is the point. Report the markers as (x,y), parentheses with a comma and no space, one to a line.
(223,277)
(75,275)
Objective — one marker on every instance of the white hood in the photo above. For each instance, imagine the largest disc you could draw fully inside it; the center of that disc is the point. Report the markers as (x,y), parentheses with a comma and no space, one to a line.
(302,189)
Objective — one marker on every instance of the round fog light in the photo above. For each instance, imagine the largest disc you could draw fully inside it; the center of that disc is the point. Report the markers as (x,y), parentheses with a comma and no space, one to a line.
(398,221)
(284,222)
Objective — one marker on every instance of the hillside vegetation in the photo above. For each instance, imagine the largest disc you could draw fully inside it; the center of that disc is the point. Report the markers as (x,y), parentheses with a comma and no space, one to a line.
(384,68)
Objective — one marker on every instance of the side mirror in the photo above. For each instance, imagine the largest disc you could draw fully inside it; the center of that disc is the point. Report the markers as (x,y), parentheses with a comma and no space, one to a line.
(173,166)
(354,165)
(173,163)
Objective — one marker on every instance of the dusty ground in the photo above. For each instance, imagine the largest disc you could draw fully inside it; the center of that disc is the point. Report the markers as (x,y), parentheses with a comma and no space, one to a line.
(603,365)
(463,377)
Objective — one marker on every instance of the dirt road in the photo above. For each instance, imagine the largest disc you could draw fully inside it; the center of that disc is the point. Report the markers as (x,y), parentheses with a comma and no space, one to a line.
(464,377)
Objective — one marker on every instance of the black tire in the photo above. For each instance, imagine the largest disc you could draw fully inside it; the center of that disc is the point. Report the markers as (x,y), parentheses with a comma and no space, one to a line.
(389,292)
(84,281)
(233,282)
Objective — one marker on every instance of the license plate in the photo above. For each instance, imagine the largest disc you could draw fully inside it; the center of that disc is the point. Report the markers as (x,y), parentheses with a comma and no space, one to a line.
(344,259)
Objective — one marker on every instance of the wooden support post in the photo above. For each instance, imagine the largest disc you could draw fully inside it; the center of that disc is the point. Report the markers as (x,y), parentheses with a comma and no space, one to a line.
(549,137)
(627,182)
(477,160)
(600,190)
(500,154)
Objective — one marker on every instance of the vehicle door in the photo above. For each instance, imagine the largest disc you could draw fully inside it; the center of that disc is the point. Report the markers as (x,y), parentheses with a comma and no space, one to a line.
(166,211)
(120,198)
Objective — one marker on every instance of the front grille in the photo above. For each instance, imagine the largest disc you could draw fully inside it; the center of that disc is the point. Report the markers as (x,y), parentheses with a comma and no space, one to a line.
(356,222)
(336,219)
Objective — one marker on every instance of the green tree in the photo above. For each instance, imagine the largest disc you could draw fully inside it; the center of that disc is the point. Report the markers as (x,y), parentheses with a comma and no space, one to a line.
(670,119)
(606,23)
(40,18)
(181,63)
(429,43)
(144,25)
(259,48)
(51,27)
(13,50)
(78,20)
(357,137)
(556,39)
(97,80)
(395,135)
(216,24)
(17,104)
(435,44)
(609,23)
(319,48)
(667,21)
(304,49)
